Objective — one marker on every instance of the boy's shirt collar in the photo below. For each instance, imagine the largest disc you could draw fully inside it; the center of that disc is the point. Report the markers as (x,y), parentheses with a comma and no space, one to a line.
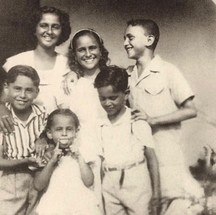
(155,64)
(154,67)
(122,119)
(36,111)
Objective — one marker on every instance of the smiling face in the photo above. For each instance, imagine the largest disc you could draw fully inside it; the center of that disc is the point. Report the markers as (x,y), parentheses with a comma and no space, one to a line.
(63,130)
(112,102)
(136,41)
(48,30)
(87,52)
(21,94)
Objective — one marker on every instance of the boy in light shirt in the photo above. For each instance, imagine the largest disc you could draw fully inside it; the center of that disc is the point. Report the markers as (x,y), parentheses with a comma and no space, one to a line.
(131,179)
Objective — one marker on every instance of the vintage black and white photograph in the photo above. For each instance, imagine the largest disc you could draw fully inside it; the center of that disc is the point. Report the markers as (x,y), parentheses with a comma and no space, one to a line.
(107,107)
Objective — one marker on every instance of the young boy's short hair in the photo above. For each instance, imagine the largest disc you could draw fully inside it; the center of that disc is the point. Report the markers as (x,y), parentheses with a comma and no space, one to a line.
(112,75)
(149,26)
(23,70)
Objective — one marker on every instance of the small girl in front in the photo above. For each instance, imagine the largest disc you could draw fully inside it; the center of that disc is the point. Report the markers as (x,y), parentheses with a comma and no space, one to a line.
(67,175)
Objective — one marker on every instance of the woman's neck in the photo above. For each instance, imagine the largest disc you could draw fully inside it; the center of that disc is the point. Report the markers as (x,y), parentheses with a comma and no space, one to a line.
(44,59)
(91,74)
(47,53)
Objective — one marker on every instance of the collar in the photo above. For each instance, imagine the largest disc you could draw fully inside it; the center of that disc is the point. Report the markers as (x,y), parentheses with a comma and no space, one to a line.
(36,111)
(154,67)
(155,64)
(124,118)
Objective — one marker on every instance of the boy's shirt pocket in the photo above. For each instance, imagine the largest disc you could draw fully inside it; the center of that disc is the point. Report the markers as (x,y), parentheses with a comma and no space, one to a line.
(154,85)
(154,96)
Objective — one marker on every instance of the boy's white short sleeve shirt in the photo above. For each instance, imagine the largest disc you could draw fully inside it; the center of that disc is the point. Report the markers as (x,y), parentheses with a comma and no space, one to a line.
(160,89)
(123,142)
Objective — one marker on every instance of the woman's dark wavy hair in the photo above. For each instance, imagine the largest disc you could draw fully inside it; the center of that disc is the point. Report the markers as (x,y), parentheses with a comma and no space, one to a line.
(63,19)
(74,65)
(63,112)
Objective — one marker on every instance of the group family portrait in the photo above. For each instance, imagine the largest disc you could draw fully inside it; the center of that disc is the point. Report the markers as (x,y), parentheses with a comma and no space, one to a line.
(107,107)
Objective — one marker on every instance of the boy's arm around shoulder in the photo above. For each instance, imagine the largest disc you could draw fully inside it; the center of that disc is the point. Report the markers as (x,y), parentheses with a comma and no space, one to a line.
(6,122)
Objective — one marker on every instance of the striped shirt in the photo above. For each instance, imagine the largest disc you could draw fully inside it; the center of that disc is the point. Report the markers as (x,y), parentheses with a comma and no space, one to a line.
(21,143)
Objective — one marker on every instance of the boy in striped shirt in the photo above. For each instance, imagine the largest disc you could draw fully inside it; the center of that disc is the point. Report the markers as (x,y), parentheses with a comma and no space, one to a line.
(17,195)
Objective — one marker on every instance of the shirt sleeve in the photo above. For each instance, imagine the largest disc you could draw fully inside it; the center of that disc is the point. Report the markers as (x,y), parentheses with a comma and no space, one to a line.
(19,59)
(143,133)
(87,155)
(180,89)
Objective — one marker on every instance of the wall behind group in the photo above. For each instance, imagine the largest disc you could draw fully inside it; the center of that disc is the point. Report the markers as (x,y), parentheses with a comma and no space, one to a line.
(188,32)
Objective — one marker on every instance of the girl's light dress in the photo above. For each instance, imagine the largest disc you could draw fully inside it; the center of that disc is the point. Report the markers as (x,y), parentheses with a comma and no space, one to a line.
(66,193)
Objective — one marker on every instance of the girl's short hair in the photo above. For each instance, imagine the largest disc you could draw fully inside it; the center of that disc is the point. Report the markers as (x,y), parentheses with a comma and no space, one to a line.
(63,19)
(112,76)
(74,65)
(63,112)
(50,119)
(23,70)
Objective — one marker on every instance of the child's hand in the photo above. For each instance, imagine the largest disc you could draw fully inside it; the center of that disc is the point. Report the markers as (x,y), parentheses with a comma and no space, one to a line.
(32,161)
(75,150)
(6,121)
(48,155)
(57,154)
(69,81)
(40,147)
(139,114)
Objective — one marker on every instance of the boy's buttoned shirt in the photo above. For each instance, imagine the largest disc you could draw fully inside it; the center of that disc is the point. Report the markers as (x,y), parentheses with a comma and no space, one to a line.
(123,141)
(160,90)
(21,143)
(126,187)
